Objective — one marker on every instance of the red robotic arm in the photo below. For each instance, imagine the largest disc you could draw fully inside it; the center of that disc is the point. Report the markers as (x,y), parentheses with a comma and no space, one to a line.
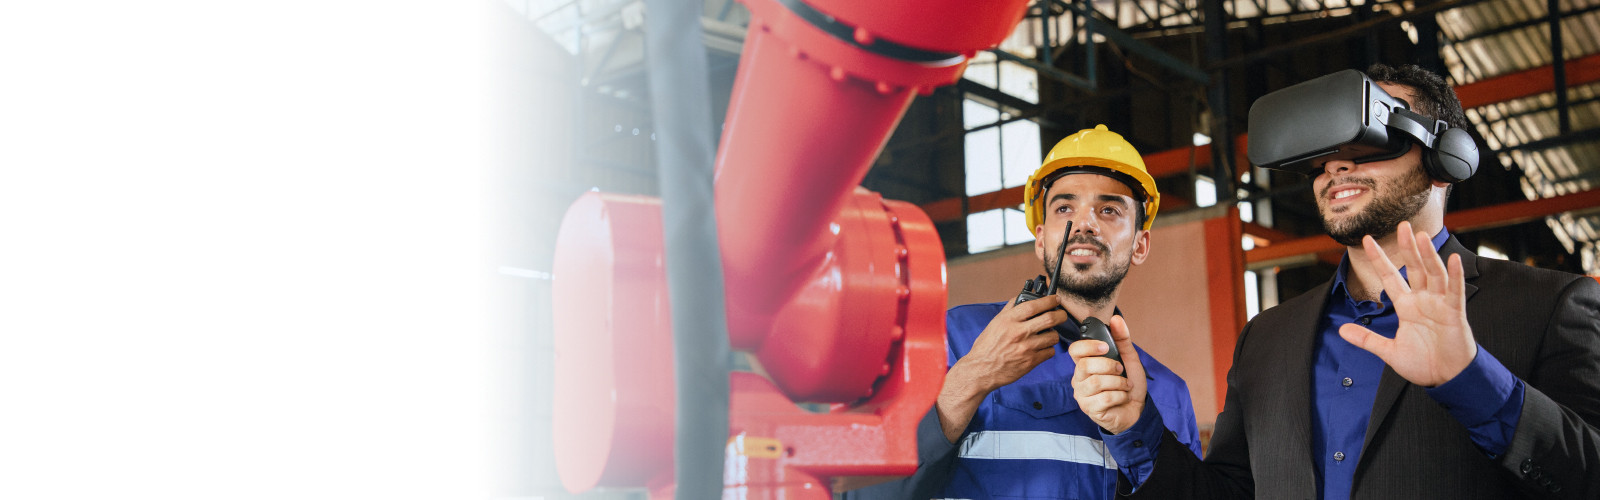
(837,292)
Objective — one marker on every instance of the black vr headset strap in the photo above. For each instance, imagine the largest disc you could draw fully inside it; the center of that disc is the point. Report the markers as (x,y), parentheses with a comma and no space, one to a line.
(1450,154)
(1419,127)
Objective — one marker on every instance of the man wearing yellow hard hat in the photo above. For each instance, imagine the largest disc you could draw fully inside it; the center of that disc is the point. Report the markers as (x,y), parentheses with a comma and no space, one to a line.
(1006,424)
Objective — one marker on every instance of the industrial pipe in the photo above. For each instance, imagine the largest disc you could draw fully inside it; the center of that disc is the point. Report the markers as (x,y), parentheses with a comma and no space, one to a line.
(821,85)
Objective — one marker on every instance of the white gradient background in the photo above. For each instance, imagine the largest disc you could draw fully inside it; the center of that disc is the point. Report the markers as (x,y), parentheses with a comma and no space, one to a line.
(241,250)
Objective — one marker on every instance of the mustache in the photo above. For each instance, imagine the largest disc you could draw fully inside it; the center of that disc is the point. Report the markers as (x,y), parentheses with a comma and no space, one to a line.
(1364,181)
(1085,239)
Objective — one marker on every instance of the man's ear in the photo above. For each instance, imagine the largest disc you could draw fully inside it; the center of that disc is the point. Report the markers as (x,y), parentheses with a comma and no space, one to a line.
(1038,242)
(1141,247)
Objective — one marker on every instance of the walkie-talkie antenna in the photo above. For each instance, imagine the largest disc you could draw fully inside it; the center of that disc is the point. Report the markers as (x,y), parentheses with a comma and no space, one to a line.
(1061,254)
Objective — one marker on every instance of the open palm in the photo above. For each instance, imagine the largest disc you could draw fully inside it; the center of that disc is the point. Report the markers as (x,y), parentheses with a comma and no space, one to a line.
(1433,342)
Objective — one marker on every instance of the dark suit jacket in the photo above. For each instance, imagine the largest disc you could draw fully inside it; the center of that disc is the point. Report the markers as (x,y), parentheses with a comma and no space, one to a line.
(1544,326)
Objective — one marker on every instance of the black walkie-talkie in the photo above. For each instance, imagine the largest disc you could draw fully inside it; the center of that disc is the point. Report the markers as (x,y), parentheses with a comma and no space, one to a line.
(1041,286)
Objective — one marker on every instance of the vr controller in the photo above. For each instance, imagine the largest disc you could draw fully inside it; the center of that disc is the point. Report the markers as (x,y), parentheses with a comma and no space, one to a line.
(1092,327)
(1345,116)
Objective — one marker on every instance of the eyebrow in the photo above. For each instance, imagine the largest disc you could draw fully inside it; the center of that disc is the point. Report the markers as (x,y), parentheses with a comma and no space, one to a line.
(1106,198)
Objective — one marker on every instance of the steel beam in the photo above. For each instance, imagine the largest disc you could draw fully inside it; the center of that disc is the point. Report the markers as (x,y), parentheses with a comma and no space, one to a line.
(1354,30)
(1559,67)
(1524,24)
(1136,46)
(1527,83)
(1048,71)
(1557,141)
(1222,152)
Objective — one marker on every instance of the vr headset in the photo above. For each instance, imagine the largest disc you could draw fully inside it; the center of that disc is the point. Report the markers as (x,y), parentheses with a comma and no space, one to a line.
(1345,116)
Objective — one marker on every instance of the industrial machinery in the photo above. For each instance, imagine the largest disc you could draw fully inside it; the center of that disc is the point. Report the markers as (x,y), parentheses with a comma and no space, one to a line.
(837,293)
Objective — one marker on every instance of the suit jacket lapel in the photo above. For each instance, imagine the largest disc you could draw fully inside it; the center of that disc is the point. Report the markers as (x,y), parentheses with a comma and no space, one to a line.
(1469,263)
(1298,346)
(1391,384)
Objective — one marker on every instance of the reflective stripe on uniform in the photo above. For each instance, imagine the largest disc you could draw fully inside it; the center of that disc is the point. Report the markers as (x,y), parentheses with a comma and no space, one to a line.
(1036,445)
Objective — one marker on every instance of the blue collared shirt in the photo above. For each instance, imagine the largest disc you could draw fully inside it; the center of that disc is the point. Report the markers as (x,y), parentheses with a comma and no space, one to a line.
(1485,397)
(1028,439)
(1344,385)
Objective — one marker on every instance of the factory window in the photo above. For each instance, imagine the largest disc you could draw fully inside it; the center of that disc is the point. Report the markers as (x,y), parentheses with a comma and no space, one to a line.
(1002,150)
(982,147)
(992,229)
(998,157)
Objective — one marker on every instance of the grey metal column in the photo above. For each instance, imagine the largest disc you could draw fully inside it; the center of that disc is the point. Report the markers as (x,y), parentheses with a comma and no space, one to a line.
(1216,25)
(1558,61)
(685,156)
(1428,51)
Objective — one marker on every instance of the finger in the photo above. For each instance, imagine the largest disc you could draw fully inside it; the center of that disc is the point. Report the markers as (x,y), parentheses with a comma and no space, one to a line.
(1033,307)
(1098,365)
(1079,371)
(1100,403)
(1130,354)
(1411,257)
(1388,274)
(1042,355)
(1086,349)
(1095,384)
(1043,341)
(1044,320)
(1361,337)
(1458,286)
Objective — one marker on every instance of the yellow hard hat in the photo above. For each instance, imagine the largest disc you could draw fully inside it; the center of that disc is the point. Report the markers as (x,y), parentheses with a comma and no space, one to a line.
(1093,149)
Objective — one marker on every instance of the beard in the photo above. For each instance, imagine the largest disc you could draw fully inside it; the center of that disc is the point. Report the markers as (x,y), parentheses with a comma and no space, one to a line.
(1092,289)
(1389,207)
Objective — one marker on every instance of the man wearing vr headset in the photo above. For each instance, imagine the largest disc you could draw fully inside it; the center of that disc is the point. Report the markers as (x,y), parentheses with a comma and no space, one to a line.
(1005,425)
(1420,370)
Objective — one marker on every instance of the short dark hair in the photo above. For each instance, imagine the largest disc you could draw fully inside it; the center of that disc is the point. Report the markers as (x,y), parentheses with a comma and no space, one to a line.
(1434,97)
(1139,196)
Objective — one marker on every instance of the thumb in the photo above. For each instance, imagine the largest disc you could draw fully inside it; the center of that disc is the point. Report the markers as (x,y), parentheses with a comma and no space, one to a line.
(1360,336)
(1134,368)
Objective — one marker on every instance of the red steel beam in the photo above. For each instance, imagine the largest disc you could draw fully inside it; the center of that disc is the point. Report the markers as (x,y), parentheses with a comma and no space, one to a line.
(1225,287)
(1530,82)
(1267,234)
(1159,164)
(1176,160)
(1465,221)
(949,209)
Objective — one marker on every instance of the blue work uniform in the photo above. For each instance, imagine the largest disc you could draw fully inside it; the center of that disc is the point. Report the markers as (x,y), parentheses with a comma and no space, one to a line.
(1027,439)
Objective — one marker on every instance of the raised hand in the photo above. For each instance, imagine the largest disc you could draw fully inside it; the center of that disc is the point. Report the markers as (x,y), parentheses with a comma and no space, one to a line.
(1009,347)
(1111,400)
(1433,342)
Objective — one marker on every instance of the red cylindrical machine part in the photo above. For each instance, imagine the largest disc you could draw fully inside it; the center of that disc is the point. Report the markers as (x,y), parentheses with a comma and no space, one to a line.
(831,341)
(959,26)
(808,115)
(613,419)
(870,438)
(795,143)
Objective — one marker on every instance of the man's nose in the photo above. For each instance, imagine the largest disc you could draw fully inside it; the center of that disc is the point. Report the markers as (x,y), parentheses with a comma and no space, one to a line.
(1084,222)
(1338,166)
